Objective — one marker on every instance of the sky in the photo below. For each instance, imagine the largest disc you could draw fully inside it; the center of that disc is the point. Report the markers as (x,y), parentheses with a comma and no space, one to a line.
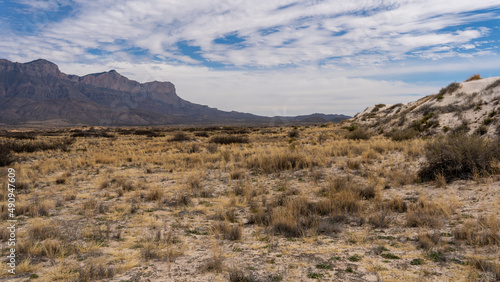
(266,57)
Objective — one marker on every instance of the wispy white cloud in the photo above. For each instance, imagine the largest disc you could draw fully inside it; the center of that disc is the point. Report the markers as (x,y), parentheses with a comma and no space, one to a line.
(304,32)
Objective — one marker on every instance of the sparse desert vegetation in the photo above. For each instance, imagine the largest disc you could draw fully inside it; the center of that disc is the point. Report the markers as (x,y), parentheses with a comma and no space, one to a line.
(327,202)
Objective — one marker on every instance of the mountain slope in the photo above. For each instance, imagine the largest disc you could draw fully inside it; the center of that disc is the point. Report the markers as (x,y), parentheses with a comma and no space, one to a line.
(471,106)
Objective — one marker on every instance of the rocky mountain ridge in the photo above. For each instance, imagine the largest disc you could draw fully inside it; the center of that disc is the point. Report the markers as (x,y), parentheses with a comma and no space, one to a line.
(38,92)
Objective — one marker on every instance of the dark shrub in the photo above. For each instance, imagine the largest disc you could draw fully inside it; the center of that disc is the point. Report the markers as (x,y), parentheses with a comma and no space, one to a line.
(202,134)
(180,136)
(481,130)
(226,139)
(19,135)
(235,130)
(80,133)
(6,157)
(294,133)
(148,133)
(461,129)
(458,156)
(359,134)
(496,83)
(32,146)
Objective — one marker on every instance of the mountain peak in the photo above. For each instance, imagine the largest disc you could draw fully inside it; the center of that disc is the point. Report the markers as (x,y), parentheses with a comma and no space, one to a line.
(42,67)
(41,61)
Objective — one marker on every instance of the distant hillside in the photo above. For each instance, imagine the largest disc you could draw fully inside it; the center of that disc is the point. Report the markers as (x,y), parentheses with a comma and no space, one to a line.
(472,106)
(37,93)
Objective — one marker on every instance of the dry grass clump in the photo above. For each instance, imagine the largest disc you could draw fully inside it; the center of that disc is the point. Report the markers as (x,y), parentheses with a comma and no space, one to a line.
(161,245)
(224,214)
(276,161)
(124,184)
(485,265)
(94,205)
(480,232)
(380,219)
(285,223)
(154,194)
(395,204)
(94,270)
(297,216)
(426,213)
(195,181)
(39,208)
(474,77)
(227,231)
(459,157)
(43,229)
(237,174)
(429,241)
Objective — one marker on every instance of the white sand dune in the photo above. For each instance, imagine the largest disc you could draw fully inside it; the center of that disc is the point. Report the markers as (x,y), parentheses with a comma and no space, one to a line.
(472,106)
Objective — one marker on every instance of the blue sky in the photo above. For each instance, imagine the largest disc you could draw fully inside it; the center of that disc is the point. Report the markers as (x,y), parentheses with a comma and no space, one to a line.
(268,57)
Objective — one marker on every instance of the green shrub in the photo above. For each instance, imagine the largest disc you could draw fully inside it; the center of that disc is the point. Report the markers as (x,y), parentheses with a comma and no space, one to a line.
(352,127)
(400,135)
(458,156)
(237,275)
(390,256)
(417,261)
(315,275)
(449,89)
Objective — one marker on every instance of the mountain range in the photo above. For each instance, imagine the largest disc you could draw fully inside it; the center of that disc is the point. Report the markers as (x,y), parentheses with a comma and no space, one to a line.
(38,93)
